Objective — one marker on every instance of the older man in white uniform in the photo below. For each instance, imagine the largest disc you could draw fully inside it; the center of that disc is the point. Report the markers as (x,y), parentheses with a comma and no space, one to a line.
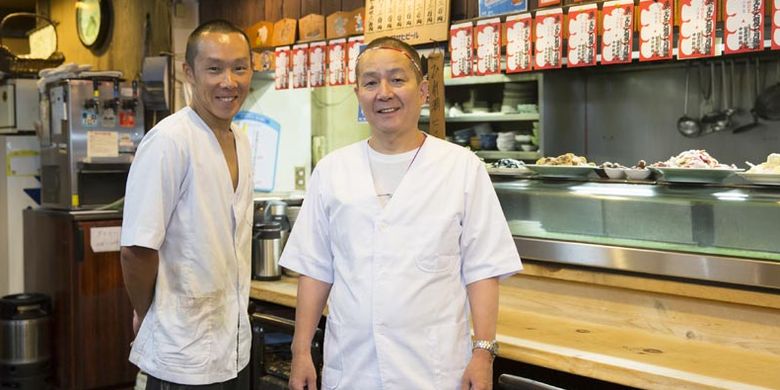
(405,235)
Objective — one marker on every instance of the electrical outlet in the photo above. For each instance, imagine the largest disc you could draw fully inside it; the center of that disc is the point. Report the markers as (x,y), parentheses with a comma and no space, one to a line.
(300,178)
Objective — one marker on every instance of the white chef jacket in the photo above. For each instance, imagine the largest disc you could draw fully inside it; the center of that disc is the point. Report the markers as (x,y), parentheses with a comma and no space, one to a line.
(180,201)
(398,307)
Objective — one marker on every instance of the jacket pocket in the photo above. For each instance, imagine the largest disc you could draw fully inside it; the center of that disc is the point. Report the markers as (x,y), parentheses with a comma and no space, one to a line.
(450,346)
(437,263)
(332,353)
(184,335)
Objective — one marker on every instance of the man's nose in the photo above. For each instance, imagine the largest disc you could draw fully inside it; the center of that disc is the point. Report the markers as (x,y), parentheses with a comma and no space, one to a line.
(385,91)
(229,80)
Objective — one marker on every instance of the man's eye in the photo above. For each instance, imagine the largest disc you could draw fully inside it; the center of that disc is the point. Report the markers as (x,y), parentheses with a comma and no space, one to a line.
(213,69)
(241,69)
(369,83)
(398,81)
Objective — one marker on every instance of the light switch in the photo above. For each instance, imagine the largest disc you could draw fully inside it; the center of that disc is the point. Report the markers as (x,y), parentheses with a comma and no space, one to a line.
(300,178)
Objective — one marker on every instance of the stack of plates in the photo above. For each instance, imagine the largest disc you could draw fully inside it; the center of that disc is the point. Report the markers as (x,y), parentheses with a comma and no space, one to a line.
(516,93)
(506,141)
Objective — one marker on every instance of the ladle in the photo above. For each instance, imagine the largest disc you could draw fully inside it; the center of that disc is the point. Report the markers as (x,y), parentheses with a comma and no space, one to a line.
(757,88)
(686,125)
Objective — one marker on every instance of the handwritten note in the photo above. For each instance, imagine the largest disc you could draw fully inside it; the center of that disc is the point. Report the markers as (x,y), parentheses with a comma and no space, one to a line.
(104,239)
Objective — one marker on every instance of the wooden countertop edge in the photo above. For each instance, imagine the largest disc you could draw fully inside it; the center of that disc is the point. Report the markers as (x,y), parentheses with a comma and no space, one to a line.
(547,341)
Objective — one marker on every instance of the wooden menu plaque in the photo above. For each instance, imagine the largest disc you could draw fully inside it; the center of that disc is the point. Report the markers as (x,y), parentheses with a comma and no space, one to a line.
(436,125)
(412,21)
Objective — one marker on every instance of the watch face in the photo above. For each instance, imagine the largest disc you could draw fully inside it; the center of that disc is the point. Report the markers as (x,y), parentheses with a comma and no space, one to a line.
(89,21)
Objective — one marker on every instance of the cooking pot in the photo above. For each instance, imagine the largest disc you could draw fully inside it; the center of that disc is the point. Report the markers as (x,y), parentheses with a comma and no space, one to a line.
(25,352)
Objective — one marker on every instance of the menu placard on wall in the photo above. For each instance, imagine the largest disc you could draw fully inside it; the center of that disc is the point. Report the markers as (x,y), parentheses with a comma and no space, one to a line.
(548,47)
(582,35)
(656,20)
(353,51)
(282,69)
(697,29)
(519,55)
(300,59)
(488,34)
(743,26)
(775,24)
(461,53)
(337,61)
(412,21)
(317,64)
(617,39)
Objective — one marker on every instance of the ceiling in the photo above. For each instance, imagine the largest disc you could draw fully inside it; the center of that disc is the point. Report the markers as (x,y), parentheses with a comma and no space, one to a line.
(27,5)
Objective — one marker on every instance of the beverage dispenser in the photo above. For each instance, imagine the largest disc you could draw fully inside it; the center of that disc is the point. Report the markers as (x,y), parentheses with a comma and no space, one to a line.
(91,129)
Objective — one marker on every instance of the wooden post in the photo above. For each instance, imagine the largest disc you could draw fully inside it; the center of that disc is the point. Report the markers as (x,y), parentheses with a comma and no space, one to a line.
(436,126)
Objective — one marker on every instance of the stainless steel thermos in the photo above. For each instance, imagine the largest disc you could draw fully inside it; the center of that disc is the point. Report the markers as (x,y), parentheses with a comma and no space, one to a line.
(266,250)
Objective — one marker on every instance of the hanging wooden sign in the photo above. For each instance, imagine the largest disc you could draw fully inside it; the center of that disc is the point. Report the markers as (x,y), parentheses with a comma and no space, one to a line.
(317,64)
(582,35)
(548,45)
(488,34)
(743,28)
(412,21)
(353,50)
(436,123)
(697,29)
(337,62)
(282,70)
(617,17)
(300,59)
(519,55)
(461,53)
(656,21)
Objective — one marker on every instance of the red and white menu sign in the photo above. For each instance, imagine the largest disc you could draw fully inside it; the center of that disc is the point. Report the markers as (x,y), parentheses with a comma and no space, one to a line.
(582,35)
(775,24)
(353,51)
(461,53)
(697,29)
(656,20)
(317,64)
(282,67)
(337,61)
(488,33)
(518,43)
(300,59)
(743,26)
(617,17)
(548,46)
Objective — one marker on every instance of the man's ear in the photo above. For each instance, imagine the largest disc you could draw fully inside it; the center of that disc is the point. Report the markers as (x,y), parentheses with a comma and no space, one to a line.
(424,93)
(188,72)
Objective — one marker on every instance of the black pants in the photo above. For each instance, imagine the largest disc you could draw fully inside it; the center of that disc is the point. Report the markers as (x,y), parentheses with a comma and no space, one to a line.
(241,382)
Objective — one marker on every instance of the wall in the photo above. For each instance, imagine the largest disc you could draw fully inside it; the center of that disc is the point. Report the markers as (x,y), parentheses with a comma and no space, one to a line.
(624,114)
(124,50)
(244,13)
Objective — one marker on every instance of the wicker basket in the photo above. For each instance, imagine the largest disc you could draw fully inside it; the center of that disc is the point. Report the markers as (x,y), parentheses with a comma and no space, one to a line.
(11,63)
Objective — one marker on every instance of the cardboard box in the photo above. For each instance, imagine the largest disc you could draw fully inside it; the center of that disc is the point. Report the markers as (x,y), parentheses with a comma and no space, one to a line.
(284,32)
(260,34)
(312,27)
(356,21)
(337,24)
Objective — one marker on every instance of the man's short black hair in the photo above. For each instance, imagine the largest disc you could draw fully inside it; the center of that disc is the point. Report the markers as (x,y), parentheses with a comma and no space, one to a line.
(215,26)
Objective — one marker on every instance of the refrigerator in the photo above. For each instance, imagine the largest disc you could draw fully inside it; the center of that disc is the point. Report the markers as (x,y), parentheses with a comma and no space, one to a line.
(19,189)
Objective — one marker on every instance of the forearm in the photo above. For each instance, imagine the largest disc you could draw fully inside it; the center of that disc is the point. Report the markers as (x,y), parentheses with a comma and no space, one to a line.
(139,271)
(312,295)
(483,299)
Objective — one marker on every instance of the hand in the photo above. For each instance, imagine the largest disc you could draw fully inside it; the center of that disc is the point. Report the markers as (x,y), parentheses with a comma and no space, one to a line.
(302,374)
(479,373)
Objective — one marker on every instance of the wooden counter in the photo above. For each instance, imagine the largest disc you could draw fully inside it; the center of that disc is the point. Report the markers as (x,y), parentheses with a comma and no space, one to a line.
(633,330)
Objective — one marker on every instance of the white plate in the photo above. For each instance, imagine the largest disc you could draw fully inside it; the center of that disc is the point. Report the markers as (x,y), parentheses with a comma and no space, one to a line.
(561,171)
(509,171)
(769,179)
(695,175)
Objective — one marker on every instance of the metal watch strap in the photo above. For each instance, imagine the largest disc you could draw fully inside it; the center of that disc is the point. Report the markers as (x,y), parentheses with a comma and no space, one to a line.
(488,345)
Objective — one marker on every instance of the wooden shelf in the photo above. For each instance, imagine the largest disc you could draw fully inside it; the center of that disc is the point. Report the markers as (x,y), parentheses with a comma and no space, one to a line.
(515,154)
(489,117)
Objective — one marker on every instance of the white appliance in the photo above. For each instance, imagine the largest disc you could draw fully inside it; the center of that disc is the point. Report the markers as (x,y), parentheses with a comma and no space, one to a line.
(20,155)
(18,105)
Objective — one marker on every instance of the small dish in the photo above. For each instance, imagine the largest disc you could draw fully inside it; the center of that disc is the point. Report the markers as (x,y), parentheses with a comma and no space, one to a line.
(528,147)
(615,173)
(523,138)
(637,174)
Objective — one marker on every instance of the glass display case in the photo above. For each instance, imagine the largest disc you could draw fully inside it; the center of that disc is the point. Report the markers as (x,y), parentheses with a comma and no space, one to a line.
(708,232)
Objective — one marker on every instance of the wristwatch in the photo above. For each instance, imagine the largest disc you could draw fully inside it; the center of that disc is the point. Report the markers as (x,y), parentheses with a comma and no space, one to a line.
(488,345)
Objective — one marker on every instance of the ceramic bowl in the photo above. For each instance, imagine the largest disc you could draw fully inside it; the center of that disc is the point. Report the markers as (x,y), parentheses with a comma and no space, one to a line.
(638,174)
(615,173)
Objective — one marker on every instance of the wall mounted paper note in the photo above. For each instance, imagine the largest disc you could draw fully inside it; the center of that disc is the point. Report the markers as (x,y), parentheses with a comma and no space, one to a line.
(102,144)
(317,64)
(337,62)
(282,68)
(697,29)
(488,33)
(353,50)
(104,239)
(582,35)
(263,133)
(412,21)
(744,26)
(656,20)
(548,47)
(617,17)
(519,53)
(775,24)
(300,65)
(461,53)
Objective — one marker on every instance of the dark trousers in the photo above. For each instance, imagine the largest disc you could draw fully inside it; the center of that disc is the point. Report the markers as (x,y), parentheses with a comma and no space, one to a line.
(241,382)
